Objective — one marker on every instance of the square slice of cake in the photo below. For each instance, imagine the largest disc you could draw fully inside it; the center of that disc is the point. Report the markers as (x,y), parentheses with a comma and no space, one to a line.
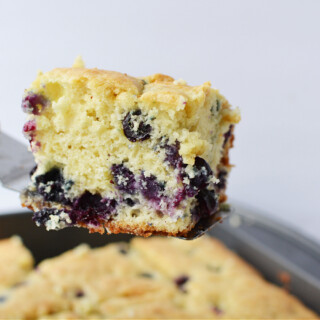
(122,154)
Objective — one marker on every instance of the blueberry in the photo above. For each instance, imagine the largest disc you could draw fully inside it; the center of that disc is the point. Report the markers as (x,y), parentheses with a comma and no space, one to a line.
(179,196)
(79,294)
(129,202)
(91,209)
(94,203)
(207,203)
(53,175)
(151,188)
(123,178)
(85,216)
(34,103)
(181,281)
(42,216)
(52,186)
(88,201)
(217,310)
(172,155)
(134,126)
(29,129)
(202,173)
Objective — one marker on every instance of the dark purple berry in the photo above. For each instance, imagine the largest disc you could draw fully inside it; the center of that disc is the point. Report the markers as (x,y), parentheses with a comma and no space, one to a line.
(42,216)
(123,178)
(129,202)
(181,281)
(191,191)
(52,186)
(54,175)
(172,155)
(202,173)
(109,204)
(151,188)
(141,131)
(217,310)
(88,217)
(207,203)
(79,293)
(94,203)
(227,135)
(91,209)
(34,103)
(88,201)
(179,196)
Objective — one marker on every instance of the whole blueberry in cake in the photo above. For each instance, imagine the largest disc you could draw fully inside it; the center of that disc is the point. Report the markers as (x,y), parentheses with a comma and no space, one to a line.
(116,153)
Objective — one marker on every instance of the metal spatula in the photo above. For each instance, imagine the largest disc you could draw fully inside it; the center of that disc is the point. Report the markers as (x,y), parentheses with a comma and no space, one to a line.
(16,163)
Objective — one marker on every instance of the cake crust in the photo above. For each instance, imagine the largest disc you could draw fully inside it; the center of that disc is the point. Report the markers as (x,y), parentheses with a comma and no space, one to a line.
(100,79)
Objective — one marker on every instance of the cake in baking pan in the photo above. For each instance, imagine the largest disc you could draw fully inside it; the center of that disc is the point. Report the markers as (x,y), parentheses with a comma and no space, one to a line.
(116,153)
(148,279)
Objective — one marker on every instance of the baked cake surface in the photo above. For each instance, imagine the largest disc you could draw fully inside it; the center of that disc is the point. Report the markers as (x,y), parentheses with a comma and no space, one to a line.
(15,262)
(150,278)
(123,154)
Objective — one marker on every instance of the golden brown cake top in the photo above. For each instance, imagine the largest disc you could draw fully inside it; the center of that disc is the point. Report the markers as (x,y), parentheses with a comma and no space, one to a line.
(16,262)
(112,80)
(175,94)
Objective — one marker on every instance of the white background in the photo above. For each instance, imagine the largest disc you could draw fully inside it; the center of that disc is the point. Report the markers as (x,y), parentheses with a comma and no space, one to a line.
(262,55)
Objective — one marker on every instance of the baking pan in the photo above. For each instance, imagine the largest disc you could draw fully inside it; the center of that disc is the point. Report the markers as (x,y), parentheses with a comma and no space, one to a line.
(278,252)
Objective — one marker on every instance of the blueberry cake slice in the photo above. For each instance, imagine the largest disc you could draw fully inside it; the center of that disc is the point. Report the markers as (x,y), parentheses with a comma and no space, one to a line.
(123,154)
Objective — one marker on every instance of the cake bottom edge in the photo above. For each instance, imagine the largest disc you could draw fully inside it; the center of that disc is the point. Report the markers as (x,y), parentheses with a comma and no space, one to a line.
(57,219)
